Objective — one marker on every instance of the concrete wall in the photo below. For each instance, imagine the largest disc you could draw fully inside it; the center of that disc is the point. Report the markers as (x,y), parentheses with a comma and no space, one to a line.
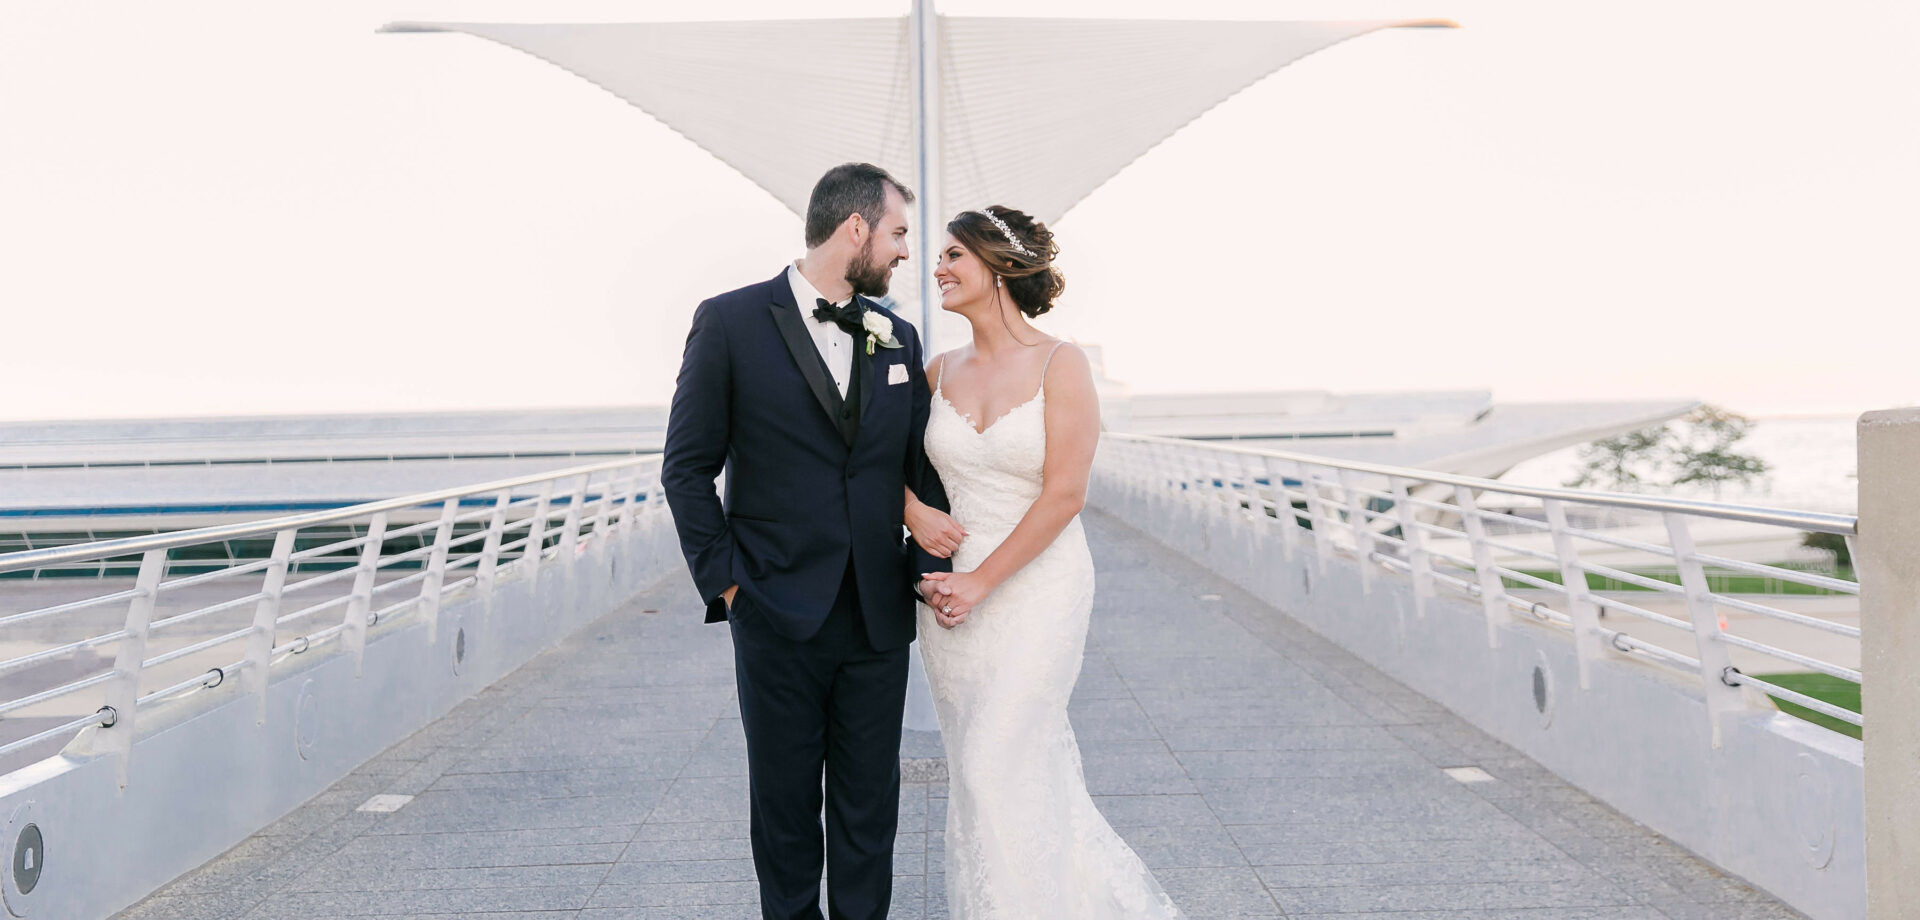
(1778,803)
(205,774)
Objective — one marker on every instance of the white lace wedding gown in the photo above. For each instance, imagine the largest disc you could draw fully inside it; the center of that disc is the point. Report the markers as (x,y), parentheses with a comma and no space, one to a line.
(1023,839)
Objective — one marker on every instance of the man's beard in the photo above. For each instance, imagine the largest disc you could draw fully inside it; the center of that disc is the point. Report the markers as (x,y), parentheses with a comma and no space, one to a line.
(868,277)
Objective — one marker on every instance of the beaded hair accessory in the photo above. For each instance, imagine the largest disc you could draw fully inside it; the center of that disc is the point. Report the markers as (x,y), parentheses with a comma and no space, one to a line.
(1007,232)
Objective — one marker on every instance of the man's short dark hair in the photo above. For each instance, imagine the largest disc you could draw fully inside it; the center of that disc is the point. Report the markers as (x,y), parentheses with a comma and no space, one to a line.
(850,188)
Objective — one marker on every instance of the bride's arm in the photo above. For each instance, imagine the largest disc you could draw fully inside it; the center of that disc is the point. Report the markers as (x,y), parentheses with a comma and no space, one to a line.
(935,530)
(1073,432)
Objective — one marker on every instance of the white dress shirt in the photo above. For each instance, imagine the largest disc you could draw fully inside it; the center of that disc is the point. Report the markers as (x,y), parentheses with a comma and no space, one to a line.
(834,343)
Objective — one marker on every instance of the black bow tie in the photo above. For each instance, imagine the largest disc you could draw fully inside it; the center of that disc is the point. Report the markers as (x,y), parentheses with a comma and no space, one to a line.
(849,317)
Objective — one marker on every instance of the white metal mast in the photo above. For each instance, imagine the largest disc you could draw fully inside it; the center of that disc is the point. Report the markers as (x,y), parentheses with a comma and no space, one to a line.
(925,42)
(918,713)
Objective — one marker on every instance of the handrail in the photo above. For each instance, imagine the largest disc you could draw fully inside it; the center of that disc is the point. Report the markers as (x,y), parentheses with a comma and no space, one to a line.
(1443,540)
(127,546)
(617,495)
(1819,522)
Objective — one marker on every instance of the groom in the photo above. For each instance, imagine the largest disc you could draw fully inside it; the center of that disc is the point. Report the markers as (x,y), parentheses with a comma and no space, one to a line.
(813,401)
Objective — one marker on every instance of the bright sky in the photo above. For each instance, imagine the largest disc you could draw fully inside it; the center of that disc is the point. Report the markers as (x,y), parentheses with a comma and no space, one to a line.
(238,207)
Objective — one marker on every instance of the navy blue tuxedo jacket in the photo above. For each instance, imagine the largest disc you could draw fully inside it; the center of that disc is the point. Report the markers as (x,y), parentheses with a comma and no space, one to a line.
(754,399)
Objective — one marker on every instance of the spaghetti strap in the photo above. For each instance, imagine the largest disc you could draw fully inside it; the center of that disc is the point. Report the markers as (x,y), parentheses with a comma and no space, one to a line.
(1043,366)
(941,374)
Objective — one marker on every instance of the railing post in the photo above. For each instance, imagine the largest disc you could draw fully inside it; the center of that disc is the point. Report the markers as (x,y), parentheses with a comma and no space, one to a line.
(603,508)
(1235,483)
(436,579)
(534,548)
(1580,606)
(123,692)
(1888,569)
(1248,493)
(1177,493)
(1213,500)
(1493,594)
(489,568)
(567,554)
(1419,561)
(1254,548)
(1228,472)
(361,601)
(1156,467)
(1283,519)
(1317,517)
(570,525)
(630,512)
(1362,530)
(1716,664)
(1198,501)
(266,616)
(1161,495)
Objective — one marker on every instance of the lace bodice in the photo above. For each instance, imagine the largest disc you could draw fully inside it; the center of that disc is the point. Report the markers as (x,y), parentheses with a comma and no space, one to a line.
(1002,465)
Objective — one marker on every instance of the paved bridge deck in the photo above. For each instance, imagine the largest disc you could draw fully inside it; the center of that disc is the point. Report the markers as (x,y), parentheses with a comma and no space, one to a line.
(1261,771)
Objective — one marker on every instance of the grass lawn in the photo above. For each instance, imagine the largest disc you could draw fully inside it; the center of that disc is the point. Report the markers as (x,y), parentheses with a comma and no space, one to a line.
(1718,582)
(1827,689)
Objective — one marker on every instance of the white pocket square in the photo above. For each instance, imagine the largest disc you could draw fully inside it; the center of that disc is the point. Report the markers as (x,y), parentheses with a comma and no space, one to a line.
(896,373)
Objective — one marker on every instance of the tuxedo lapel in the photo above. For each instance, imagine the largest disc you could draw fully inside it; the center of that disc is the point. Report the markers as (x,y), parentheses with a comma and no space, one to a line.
(865,363)
(793,331)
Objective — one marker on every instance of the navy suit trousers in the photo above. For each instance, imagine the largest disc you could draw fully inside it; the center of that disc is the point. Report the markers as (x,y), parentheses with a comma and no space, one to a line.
(830,704)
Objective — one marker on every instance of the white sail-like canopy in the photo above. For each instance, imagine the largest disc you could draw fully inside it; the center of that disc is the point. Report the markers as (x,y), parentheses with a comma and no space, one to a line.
(1031,113)
(760,96)
(1092,94)
(1037,113)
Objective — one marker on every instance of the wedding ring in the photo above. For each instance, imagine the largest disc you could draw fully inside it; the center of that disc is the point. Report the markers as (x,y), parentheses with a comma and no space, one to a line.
(946,610)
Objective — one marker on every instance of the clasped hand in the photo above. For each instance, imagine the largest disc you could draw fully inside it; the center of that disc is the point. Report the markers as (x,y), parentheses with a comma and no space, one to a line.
(953,595)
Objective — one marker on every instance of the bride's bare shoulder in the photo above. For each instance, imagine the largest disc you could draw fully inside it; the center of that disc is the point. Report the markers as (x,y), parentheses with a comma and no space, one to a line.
(1067,361)
(942,359)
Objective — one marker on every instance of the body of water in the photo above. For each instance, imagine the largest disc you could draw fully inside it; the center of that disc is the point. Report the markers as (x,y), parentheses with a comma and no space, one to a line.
(1811,461)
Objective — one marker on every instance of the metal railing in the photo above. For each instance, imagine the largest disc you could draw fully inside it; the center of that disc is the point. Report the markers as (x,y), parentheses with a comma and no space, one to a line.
(1432,529)
(510,525)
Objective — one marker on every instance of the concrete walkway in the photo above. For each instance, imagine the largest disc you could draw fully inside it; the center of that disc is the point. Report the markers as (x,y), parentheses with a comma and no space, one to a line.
(1259,770)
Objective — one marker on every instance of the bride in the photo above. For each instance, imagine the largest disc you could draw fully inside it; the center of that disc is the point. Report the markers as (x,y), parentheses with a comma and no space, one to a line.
(1012,430)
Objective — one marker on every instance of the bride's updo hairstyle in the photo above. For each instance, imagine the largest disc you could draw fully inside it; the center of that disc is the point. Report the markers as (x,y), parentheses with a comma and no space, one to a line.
(1017,249)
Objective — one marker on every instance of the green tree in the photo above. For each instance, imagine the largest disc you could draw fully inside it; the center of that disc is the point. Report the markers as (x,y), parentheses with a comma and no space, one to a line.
(1623,462)
(1696,448)
(1704,451)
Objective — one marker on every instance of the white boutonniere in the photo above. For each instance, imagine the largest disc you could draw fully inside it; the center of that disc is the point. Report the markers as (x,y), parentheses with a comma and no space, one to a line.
(879,331)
